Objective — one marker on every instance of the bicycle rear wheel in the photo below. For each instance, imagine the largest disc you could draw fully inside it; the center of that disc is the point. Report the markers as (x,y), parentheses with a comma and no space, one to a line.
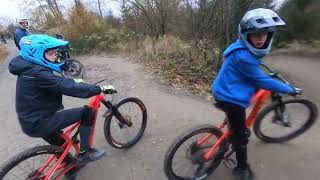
(27,164)
(74,70)
(120,135)
(184,159)
(280,122)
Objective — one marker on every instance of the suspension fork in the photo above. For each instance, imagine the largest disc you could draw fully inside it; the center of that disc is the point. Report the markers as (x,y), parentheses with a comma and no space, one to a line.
(277,98)
(116,113)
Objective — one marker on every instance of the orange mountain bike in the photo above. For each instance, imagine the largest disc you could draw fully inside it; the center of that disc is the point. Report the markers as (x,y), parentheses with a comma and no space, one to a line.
(52,162)
(195,154)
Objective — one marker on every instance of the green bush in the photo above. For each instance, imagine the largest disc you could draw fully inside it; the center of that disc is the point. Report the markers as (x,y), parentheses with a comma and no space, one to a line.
(302,21)
(108,41)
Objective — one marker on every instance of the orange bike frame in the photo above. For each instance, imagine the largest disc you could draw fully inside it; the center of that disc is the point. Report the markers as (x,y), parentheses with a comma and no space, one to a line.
(259,99)
(95,104)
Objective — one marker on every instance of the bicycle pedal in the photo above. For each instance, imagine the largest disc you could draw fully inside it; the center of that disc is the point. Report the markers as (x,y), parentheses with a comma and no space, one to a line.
(230,163)
(200,174)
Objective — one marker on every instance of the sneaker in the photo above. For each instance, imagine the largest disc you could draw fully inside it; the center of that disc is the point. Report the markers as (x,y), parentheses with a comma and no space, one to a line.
(91,155)
(243,173)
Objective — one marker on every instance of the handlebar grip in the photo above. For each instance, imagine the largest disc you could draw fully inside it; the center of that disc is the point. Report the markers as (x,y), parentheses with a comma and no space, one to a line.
(110,91)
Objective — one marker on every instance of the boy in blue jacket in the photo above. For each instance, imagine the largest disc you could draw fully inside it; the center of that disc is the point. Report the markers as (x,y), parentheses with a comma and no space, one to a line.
(240,75)
(39,95)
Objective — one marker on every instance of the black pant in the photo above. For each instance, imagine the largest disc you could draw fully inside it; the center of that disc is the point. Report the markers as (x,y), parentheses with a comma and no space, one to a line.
(59,121)
(62,119)
(240,134)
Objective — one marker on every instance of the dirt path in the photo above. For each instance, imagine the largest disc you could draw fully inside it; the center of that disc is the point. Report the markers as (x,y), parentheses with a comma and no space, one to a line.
(303,71)
(170,112)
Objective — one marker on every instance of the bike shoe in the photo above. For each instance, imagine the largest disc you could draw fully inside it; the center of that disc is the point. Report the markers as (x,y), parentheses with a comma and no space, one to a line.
(243,173)
(91,155)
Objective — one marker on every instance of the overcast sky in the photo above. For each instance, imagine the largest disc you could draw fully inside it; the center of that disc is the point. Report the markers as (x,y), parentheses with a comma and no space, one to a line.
(10,8)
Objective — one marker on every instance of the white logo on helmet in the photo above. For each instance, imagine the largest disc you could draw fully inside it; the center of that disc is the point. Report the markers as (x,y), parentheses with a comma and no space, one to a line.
(26,41)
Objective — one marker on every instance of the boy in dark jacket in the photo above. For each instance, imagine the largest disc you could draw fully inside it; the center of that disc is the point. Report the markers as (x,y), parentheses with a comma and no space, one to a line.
(240,75)
(21,31)
(39,95)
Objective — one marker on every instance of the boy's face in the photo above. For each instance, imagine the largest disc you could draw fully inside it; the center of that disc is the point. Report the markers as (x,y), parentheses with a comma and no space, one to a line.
(24,24)
(258,39)
(51,55)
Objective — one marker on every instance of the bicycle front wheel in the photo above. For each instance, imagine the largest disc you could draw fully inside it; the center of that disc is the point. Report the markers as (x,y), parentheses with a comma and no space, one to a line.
(30,164)
(74,70)
(120,135)
(184,158)
(280,122)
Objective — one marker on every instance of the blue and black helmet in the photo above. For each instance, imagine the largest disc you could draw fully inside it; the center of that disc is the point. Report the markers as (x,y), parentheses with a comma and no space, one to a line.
(33,48)
(259,20)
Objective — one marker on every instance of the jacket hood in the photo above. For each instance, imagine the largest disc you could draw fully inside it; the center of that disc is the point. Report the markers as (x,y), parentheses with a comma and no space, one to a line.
(18,66)
(235,46)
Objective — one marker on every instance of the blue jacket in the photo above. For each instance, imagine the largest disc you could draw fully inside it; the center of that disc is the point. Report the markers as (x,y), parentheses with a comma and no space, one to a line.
(20,33)
(240,75)
(39,93)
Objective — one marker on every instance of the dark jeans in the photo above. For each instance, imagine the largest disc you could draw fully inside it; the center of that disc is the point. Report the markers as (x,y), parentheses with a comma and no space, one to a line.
(61,120)
(240,134)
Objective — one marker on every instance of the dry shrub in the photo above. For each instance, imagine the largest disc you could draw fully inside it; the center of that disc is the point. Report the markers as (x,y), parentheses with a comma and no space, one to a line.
(3,53)
(82,22)
(191,65)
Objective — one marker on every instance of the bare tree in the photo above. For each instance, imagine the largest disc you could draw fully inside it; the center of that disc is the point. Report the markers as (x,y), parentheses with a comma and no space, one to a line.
(100,10)
(157,14)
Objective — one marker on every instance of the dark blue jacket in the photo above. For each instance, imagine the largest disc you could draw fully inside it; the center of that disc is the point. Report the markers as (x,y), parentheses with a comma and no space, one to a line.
(240,75)
(20,33)
(39,92)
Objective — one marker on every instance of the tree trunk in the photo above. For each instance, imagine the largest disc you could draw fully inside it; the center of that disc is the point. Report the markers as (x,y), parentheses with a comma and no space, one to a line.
(100,11)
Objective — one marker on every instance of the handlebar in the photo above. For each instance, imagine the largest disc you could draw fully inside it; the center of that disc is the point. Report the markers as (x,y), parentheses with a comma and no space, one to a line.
(109,82)
(274,74)
(100,81)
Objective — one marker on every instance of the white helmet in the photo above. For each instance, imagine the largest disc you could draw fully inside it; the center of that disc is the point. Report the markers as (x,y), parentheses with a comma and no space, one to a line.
(259,20)
(21,22)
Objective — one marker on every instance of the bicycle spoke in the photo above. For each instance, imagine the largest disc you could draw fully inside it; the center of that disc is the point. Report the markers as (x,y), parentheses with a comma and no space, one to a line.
(29,167)
(16,177)
(122,135)
(285,121)
(186,162)
(275,127)
(128,132)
